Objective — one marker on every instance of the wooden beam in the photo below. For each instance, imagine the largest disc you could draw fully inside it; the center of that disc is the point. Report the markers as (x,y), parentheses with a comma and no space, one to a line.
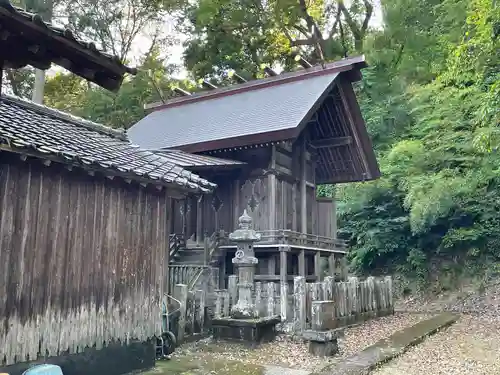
(239,79)
(303,62)
(270,72)
(208,85)
(331,142)
(181,92)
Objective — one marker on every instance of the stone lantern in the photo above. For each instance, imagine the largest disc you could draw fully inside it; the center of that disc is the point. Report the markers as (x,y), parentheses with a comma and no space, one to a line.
(244,324)
(245,261)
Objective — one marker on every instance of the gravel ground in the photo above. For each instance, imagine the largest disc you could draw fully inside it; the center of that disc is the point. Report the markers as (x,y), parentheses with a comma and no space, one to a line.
(294,354)
(470,346)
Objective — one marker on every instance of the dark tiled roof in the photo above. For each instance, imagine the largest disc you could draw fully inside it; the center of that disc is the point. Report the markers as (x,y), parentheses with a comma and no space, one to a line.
(273,104)
(59,45)
(270,109)
(198,162)
(28,127)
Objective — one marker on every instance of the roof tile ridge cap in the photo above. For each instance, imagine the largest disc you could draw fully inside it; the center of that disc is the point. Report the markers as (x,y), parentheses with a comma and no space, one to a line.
(258,84)
(78,121)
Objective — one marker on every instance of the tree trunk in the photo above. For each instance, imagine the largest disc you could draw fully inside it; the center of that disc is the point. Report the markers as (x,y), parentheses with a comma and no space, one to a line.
(39,86)
(45,9)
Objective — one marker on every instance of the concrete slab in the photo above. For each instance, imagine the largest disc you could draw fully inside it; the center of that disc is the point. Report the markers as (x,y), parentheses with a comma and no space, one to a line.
(384,350)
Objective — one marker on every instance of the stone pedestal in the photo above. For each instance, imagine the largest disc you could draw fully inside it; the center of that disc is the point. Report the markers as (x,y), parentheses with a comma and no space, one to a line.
(323,343)
(249,331)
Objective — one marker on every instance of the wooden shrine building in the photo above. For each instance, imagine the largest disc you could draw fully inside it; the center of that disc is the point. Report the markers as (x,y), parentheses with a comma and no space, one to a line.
(267,144)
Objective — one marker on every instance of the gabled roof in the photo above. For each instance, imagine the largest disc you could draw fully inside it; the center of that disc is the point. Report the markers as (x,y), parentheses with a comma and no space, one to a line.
(257,111)
(36,130)
(28,40)
(317,103)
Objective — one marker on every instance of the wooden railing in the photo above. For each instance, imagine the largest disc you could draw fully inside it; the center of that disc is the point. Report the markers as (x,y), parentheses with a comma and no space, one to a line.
(176,242)
(187,274)
(212,244)
(292,238)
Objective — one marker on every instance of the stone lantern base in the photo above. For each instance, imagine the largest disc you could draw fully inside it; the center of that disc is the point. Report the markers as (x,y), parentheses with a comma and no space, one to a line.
(249,331)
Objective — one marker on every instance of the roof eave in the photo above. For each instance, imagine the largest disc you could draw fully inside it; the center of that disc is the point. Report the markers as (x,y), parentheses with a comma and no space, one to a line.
(235,142)
(111,70)
(192,187)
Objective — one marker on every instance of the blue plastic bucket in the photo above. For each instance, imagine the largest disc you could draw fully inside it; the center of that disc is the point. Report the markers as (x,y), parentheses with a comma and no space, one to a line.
(44,370)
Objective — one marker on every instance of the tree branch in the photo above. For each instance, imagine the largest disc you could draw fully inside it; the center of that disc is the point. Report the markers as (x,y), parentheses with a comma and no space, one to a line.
(348,18)
(335,24)
(368,16)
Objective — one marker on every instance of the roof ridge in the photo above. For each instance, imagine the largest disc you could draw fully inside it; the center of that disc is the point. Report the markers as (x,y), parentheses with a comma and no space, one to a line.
(75,120)
(262,83)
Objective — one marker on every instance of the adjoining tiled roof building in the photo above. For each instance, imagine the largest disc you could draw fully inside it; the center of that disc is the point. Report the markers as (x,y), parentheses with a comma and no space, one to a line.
(45,133)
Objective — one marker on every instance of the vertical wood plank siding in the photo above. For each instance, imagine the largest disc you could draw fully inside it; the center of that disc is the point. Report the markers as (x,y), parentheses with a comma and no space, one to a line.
(82,260)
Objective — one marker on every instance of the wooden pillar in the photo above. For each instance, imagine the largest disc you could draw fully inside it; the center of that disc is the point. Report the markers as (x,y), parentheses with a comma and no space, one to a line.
(272,184)
(185,217)
(283,265)
(303,192)
(334,217)
(199,216)
(331,264)
(236,212)
(302,263)
(343,267)
(317,266)
(1,74)
(271,265)
(294,207)
(222,271)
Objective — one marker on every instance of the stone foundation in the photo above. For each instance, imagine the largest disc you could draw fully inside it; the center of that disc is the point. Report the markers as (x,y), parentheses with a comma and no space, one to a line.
(114,359)
(248,331)
(323,349)
(323,343)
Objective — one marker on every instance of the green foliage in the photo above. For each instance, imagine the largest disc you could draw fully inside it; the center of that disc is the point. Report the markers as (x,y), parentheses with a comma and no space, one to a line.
(120,110)
(435,125)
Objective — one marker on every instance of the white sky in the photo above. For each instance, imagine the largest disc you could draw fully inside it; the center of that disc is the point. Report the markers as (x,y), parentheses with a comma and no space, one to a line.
(143,42)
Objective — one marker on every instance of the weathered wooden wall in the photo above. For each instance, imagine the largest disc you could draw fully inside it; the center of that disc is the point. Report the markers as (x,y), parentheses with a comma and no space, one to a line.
(273,175)
(82,259)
